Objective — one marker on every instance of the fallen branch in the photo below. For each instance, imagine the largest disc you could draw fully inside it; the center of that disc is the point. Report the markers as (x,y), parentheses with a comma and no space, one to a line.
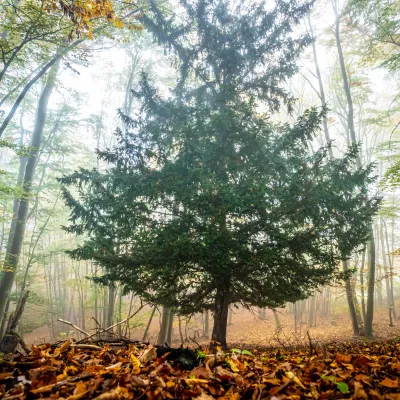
(86,346)
(112,326)
(74,326)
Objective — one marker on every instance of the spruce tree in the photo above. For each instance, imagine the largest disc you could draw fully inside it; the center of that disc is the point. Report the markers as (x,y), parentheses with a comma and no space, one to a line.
(209,201)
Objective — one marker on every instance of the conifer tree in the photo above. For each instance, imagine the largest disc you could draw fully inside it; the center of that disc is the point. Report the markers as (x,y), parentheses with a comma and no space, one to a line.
(211,202)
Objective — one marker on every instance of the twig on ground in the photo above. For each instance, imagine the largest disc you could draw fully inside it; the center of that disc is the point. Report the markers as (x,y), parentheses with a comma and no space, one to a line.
(112,326)
(86,346)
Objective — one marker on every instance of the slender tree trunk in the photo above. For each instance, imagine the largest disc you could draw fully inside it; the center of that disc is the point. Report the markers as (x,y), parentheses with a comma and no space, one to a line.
(222,301)
(180,330)
(119,327)
(146,331)
(162,337)
(170,327)
(12,257)
(352,133)
(391,273)
(321,88)
(206,333)
(277,322)
(362,270)
(350,301)
(386,271)
(312,311)
(369,316)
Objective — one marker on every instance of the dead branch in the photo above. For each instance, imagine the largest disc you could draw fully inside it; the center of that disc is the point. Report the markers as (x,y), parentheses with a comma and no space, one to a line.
(74,326)
(112,326)
(86,346)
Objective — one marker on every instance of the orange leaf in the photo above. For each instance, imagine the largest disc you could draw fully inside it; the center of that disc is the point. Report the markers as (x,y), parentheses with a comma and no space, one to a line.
(389,383)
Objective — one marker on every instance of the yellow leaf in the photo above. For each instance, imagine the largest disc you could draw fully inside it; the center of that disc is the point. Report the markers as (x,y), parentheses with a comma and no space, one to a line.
(135,365)
(233,366)
(295,379)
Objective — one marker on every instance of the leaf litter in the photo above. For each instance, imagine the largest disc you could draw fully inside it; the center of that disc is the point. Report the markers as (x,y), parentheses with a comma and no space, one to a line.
(356,370)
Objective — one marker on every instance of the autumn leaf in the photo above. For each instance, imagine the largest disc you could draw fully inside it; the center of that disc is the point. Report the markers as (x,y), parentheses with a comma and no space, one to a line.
(389,383)
(232,365)
(135,364)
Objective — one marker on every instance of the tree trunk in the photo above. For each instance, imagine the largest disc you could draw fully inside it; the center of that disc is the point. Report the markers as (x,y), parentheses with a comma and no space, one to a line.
(312,311)
(12,257)
(350,302)
(362,270)
(170,327)
(369,316)
(10,340)
(321,88)
(149,323)
(346,86)
(277,322)
(180,330)
(390,257)
(162,337)
(222,301)
(206,333)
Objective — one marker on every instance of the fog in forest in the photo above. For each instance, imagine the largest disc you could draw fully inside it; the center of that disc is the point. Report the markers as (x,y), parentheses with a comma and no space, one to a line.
(178,172)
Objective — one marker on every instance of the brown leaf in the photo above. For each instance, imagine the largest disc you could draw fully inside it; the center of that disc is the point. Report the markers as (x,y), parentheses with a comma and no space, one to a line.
(342,358)
(389,383)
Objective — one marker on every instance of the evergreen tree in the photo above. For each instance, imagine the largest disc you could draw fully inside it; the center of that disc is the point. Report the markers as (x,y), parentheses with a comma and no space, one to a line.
(207,199)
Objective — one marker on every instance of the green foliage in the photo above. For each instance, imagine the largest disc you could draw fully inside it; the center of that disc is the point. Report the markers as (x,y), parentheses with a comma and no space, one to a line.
(200,354)
(378,22)
(205,196)
(342,386)
(243,352)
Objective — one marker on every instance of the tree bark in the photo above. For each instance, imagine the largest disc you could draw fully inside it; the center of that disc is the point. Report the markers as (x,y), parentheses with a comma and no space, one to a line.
(149,323)
(350,301)
(277,322)
(321,88)
(222,301)
(369,316)
(170,327)
(206,333)
(12,257)
(362,285)
(346,86)
(162,337)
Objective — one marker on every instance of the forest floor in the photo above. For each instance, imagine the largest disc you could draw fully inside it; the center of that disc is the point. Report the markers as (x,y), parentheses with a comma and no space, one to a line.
(262,363)
(357,370)
(247,329)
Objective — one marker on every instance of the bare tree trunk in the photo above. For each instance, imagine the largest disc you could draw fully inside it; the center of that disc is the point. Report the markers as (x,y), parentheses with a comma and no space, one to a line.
(321,88)
(12,256)
(206,333)
(277,322)
(362,270)
(180,330)
(312,311)
(170,327)
(369,316)
(350,301)
(353,138)
(162,337)
(146,331)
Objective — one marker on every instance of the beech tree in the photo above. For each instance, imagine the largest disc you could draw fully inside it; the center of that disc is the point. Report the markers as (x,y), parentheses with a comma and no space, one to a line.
(207,200)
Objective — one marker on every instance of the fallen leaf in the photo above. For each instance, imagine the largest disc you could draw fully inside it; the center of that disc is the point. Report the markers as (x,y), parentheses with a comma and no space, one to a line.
(390,383)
